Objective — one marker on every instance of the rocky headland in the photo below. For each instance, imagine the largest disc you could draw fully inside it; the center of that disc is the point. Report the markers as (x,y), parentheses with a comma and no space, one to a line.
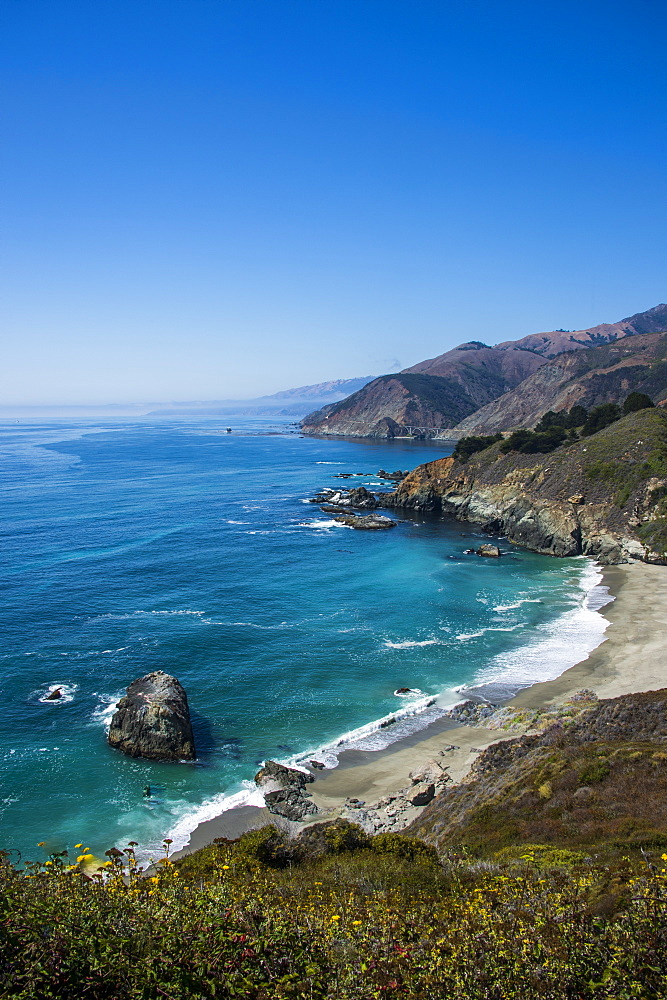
(153,720)
(601,496)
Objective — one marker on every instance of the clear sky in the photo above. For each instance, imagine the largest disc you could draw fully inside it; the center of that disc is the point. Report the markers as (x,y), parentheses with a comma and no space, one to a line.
(205,199)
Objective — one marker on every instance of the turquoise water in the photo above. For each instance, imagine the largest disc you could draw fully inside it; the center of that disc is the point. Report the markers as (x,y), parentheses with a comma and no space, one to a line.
(143,545)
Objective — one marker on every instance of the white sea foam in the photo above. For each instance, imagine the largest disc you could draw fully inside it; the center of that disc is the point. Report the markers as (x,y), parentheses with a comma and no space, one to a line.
(323,524)
(192,816)
(105,709)
(329,463)
(408,643)
(518,603)
(462,636)
(378,734)
(559,644)
(67,692)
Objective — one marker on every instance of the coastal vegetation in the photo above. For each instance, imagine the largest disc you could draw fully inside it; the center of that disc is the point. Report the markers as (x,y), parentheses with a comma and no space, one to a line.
(351,918)
(543,876)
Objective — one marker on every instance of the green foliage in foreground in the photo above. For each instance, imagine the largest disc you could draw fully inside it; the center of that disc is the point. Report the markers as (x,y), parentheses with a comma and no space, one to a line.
(358,919)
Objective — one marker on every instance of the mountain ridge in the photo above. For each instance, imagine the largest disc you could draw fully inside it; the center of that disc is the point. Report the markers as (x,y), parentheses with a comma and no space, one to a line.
(390,406)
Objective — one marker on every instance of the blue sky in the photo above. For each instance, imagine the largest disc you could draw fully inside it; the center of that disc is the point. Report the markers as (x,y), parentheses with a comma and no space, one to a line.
(205,199)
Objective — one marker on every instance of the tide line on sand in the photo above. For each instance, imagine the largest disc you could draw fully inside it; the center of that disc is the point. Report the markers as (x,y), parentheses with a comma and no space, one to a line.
(625,659)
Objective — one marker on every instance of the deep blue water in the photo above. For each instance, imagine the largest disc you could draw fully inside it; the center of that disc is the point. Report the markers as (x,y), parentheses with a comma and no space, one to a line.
(143,545)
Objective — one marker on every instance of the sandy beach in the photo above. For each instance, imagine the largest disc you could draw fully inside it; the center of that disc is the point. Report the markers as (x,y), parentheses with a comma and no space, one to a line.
(630,659)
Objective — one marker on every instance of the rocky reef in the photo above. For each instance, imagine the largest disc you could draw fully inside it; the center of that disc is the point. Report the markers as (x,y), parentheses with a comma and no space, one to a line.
(153,720)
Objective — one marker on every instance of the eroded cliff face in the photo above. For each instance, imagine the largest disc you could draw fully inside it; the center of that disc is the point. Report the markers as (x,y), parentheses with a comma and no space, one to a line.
(591,498)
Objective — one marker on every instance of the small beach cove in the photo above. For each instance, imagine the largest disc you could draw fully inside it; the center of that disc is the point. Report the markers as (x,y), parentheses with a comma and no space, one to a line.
(627,661)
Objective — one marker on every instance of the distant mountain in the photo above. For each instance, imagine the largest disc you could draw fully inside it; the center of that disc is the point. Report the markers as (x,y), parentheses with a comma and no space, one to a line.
(550,344)
(434,394)
(288,402)
(336,389)
(605,374)
(447,391)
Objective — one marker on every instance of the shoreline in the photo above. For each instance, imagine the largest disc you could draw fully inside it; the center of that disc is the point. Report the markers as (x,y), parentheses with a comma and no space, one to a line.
(628,660)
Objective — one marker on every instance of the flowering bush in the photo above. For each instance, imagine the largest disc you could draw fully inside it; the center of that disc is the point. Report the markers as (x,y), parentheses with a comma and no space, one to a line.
(353,923)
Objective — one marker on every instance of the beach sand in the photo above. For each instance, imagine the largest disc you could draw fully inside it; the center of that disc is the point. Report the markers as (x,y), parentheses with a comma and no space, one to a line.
(631,658)
(633,655)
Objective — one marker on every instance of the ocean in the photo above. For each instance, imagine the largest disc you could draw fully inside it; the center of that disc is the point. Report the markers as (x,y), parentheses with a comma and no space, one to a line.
(143,544)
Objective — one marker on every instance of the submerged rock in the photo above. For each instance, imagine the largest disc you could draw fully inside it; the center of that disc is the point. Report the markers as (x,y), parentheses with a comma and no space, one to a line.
(153,720)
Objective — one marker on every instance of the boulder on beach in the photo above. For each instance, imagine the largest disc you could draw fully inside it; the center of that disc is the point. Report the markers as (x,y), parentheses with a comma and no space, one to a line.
(153,720)
(284,790)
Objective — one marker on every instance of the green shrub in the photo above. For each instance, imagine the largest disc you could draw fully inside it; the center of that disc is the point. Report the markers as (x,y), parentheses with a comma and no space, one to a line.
(548,927)
(600,417)
(654,534)
(467,446)
(637,401)
(596,771)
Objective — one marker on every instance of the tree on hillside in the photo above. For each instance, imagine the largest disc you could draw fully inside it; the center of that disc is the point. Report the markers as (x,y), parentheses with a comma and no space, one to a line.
(637,401)
(600,417)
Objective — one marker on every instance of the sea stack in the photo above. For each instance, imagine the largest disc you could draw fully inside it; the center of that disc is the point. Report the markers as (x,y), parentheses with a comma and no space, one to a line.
(153,720)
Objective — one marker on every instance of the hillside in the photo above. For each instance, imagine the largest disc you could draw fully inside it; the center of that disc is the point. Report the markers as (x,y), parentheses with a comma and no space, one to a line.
(472,376)
(601,496)
(589,377)
(592,782)
(434,394)
(389,404)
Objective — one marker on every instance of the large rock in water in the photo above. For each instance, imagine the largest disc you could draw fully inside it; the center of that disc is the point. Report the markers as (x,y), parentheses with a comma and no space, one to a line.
(153,720)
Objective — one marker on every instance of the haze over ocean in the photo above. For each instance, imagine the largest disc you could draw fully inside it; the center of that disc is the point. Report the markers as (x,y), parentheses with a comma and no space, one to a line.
(158,544)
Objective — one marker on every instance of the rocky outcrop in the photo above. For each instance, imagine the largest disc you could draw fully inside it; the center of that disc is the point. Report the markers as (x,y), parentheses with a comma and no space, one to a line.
(530,499)
(368,522)
(284,790)
(359,498)
(394,477)
(395,811)
(489,551)
(153,720)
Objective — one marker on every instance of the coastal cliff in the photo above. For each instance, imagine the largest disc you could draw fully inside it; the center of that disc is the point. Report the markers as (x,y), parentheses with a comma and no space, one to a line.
(594,779)
(603,496)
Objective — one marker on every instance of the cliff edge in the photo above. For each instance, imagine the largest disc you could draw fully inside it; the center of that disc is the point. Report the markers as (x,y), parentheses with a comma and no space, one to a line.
(602,496)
